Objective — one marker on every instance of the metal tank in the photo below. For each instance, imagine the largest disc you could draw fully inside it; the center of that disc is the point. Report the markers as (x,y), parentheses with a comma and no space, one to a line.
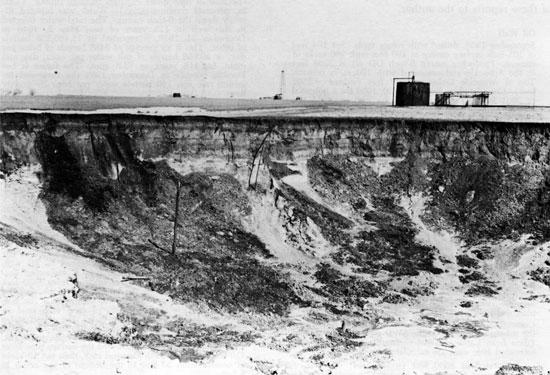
(412,93)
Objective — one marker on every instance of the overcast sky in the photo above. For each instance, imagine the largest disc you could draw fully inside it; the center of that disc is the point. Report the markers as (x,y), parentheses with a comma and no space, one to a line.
(328,49)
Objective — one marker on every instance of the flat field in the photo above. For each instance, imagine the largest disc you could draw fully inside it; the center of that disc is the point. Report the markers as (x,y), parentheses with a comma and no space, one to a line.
(161,106)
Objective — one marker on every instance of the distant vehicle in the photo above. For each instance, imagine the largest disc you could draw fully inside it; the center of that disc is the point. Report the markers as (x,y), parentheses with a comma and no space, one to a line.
(298,98)
(278,97)
(176,95)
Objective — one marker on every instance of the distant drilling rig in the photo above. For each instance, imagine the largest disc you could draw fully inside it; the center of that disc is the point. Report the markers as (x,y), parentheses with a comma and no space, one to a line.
(279,96)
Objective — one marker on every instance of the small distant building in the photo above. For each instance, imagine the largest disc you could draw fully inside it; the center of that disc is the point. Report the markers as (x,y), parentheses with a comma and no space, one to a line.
(176,95)
(412,93)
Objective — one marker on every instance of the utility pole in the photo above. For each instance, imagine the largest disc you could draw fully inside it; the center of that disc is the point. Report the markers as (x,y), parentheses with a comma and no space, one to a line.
(282,88)
(204,77)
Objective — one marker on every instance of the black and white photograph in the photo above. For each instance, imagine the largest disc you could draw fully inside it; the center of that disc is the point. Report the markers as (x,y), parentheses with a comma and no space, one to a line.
(292,187)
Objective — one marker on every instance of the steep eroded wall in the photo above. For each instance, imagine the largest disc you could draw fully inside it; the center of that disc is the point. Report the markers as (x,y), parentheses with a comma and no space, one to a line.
(110,183)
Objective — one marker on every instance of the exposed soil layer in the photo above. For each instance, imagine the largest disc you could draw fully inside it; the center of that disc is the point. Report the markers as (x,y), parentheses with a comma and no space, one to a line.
(155,136)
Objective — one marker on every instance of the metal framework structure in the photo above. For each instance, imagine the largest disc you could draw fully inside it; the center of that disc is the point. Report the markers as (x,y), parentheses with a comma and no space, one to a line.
(479,98)
(279,96)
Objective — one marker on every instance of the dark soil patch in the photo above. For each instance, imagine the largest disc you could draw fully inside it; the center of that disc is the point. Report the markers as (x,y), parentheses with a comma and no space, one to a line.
(406,177)
(481,290)
(226,283)
(470,277)
(466,261)
(483,253)
(542,275)
(349,290)
(514,369)
(98,337)
(487,199)
(196,336)
(331,224)
(392,246)
(23,240)
(417,291)
(394,298)
(344,339)
(184,343)
(341,179)
(280,170)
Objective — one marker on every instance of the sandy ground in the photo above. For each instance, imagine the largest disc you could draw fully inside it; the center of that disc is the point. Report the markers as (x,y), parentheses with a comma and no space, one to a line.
(48,294)
(498,114)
